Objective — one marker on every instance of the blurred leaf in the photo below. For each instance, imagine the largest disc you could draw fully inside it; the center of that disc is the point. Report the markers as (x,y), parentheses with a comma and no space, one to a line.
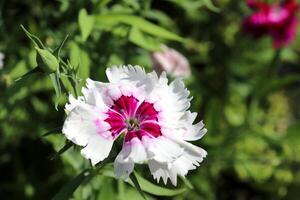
(138,38)
(36,41)
(58,49)
(33,71)
(107,192)
(67,146)
(293,135)
(161,17)
(213,117)
(56,84)
(284,175)
(104,2)
(68,189)
(258,171)
(187,182)
(192,7)
(56,130)
(80,59)
(289,55)
(276,83)
(151,188)
(140,23)
(86,23)
(147,186)
(210,5)
(235,113)
(132,194)
(136,184)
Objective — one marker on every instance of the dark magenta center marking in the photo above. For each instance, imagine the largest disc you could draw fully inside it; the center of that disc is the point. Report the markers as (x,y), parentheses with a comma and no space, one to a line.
(135,119)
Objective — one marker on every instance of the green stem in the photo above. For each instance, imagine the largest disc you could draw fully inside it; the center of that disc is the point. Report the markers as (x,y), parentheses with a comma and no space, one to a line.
(73,83)
(121,189)
(274,64)
(269,73)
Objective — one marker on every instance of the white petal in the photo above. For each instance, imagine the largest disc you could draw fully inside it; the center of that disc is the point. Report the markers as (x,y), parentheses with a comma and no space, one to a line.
(136,150)
(79,126)
(73,102)
(134,75)
(179,166)
(124,74)
(165,150)
(187,160)
(192,131)
(84,122)
(97,149)
(96,94)
(191,149)
(122,167)
(159,170)
(181,94)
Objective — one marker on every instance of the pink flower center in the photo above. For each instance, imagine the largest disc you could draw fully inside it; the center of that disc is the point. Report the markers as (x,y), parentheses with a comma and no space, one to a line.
(278,15)
(135,119)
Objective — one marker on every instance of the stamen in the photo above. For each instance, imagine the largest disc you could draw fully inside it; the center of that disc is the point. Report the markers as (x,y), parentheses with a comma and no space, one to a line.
(132,124)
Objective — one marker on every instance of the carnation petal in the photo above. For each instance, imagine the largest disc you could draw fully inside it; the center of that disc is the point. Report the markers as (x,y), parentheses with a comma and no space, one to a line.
(122,167)
(97,148)
(79,125)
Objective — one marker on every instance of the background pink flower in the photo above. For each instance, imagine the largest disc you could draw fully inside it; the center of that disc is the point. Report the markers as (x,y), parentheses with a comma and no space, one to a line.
(171,61)
(277,20)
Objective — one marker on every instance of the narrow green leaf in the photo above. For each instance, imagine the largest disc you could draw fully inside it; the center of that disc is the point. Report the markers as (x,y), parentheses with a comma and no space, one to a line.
(209,4)
(46,60)
(56,84)
(56,130)
(139,38)
(151,188)
(36,41)
(147,186)
(69,188)
(187,182)
(138,22)
(79,58)
(58,49)
(33,71)
(107,192)
(136,184)
(67,146)
(86,23)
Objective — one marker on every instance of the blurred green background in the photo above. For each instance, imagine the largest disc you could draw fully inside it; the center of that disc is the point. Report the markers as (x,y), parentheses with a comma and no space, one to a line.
(248,97)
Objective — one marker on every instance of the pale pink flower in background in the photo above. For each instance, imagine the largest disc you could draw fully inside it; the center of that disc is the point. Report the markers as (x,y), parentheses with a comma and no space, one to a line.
(171,61)
(150,115)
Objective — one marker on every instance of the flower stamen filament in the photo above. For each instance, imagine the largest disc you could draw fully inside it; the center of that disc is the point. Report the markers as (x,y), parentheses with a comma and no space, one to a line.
(132,124)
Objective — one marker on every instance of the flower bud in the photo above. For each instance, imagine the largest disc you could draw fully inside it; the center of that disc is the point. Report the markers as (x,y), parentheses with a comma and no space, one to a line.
(171,61)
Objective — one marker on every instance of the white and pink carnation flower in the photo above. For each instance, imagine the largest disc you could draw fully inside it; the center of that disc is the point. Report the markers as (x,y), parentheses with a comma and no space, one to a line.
(150,115)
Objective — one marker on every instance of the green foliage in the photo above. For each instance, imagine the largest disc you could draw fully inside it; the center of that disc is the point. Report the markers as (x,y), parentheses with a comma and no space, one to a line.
(86,24)
(136,184)
(67,191)
(154,189)
(246,92)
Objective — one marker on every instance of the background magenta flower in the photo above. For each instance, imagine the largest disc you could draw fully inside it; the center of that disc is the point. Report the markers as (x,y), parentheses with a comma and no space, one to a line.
(277,20)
